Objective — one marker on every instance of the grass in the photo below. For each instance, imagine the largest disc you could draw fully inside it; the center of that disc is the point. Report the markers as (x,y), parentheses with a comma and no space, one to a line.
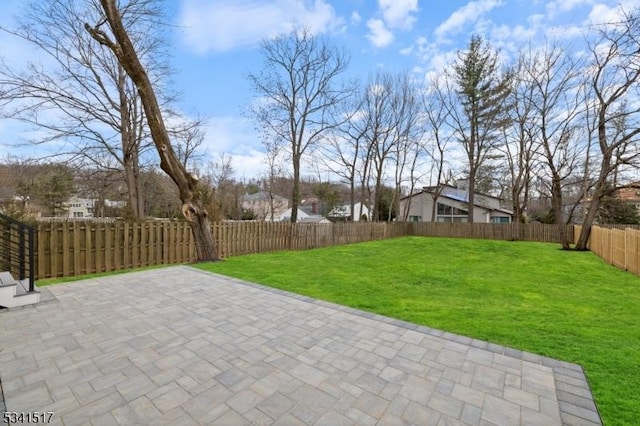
(531,296)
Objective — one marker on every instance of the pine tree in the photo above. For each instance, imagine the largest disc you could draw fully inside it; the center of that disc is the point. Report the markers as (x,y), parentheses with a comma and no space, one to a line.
(482,92)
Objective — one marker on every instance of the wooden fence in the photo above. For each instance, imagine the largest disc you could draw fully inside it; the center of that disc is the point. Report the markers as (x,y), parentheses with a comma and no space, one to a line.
(617,247)
(78,248)
(489,231)
(85,247)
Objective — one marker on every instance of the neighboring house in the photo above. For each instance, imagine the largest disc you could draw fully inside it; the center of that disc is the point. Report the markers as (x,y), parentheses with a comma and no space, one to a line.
(342,213)
(260,204)
(452,205)
(303,217)
(629,196)
(79,207)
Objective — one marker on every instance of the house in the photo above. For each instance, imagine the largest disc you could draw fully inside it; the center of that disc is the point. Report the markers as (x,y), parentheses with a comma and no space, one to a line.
(260,204)
(342,213)
(451,206)
(303,217)
(78,207)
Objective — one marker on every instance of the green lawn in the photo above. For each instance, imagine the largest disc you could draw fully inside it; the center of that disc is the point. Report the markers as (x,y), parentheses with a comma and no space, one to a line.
(531,296)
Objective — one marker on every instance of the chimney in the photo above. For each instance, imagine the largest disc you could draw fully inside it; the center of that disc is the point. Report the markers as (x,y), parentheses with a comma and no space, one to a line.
(462,184)
(314,207)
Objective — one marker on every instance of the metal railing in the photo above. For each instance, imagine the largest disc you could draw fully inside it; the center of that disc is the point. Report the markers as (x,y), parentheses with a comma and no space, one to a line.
(17,249)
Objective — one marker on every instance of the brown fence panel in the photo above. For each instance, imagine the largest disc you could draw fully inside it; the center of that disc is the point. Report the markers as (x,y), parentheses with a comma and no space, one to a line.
(68,248)
(618,256)
(632,253)
(618,247)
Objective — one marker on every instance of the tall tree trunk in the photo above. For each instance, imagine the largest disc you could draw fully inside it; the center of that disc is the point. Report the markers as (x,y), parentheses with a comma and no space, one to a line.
(130,152)
(295,197)
(557,207)
(193,207)
(597,195)
(471,190)
(352,197)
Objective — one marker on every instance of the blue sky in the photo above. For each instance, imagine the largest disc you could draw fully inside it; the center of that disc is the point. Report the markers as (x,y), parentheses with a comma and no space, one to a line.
(214,45)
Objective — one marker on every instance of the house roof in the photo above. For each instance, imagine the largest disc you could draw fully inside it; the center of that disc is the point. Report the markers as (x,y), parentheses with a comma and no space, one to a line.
(431,190)
(461,199)
(313,219)
(630,194)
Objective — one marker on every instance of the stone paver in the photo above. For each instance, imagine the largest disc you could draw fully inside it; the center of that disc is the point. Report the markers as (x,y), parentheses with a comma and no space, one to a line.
(182,346)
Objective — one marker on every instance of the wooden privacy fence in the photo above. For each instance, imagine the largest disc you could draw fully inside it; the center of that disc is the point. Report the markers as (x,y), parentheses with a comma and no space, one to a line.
(489,231)
(618,247)
(85,247)
(236,238)
(78,248)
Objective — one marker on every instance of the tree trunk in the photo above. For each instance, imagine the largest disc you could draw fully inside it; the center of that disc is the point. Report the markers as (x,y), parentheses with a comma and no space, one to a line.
(130,152)
(585,231)
(352,197)
(556,206)
(471,189)
(295,197)
(598,192)
(193,207)
(378,189)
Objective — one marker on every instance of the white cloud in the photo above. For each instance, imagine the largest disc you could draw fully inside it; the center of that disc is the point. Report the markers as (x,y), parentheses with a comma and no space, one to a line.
(393,14)
(555,8)
(223,25)
(398,13)
(231,135)
(355,18)
(603,14)
(379,35)
(471,12)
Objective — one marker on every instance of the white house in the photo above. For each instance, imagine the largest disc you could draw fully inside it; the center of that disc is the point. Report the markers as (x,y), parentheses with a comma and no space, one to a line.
(80,207)
(261,204)
(303,217)
(452,206)
(343,213)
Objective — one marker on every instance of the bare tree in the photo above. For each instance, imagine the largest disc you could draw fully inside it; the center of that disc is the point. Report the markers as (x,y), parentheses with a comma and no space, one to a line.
(342,153)
(478,113)
(273,172)
(299,92)
(615,84)
(219,176)
(378,109)
(436,113)
(552,94)
(408,133)
(111,33)
(189,138)
(97,111)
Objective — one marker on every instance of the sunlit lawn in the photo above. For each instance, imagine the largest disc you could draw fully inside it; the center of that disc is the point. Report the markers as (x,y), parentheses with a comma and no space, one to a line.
(531,296)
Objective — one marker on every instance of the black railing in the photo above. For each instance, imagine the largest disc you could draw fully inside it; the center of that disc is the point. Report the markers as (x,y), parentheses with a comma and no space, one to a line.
(17,249)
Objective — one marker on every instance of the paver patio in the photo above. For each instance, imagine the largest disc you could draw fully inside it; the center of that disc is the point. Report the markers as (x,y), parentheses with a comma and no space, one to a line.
(182,346)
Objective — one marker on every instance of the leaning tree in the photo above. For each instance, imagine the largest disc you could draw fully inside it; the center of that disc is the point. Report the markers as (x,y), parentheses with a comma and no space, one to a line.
(111,33)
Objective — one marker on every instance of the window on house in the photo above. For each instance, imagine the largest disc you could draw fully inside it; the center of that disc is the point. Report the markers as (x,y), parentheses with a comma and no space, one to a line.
(448,213)
(500,219)
(77,214)
(415,218)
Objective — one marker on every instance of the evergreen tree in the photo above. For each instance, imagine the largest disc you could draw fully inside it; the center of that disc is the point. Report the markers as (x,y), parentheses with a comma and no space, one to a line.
(482,92)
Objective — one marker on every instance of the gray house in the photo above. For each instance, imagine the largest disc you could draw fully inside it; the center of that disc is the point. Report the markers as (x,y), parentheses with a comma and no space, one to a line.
(452,206)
